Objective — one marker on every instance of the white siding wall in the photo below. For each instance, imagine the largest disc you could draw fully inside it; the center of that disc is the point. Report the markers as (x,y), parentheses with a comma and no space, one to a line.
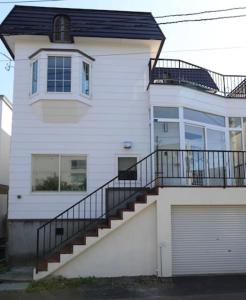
(119,113)
(168,95)
(5,139)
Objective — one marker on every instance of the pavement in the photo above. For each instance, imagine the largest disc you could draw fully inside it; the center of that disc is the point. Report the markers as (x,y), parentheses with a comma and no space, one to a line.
(16,279)
(186,288)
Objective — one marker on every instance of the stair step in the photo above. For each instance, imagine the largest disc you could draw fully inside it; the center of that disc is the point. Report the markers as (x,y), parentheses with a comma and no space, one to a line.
(153,191)
(79,241)
(54,258)
(104,225)
(130,207)
(141,199)
(68,249)
(92,233)
(42,266)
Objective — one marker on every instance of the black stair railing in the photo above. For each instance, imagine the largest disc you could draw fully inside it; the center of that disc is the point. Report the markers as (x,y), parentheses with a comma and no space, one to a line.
(193,168)
(93,211)
(179,72)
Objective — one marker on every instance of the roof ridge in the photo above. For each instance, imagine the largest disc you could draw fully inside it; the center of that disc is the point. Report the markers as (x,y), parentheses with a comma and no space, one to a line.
(86,9)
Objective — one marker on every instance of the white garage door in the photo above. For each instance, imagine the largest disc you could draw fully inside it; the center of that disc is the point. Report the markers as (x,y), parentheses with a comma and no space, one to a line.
(208,239)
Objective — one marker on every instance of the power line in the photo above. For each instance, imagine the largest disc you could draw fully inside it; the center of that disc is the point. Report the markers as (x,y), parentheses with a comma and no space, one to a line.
(206,49)
(97,55)
(202,12)
(202,20)
(139,53)
(26,1)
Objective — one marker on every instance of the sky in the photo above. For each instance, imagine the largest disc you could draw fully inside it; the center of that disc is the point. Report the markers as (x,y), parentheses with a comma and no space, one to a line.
(181,39)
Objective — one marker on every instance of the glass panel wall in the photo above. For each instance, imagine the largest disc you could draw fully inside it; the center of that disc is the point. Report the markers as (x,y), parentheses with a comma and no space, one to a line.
(204,117)
(195,160)
(215,160)
(167,137)
(184,128)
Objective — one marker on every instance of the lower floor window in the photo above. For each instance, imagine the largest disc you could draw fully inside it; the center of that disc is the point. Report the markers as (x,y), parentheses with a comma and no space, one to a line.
(58,173)
(127,169)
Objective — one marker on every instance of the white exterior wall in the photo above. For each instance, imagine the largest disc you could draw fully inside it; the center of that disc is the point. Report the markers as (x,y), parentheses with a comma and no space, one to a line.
(119,112)
(5,140)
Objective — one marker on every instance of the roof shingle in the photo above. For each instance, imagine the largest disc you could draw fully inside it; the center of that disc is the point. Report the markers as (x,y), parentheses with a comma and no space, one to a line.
(34,20)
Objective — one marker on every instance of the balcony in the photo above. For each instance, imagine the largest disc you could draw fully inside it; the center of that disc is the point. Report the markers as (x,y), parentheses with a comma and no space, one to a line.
(178,72)
(194,168)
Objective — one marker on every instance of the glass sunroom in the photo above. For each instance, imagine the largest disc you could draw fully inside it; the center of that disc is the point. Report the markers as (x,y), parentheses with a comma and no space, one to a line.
(198,148)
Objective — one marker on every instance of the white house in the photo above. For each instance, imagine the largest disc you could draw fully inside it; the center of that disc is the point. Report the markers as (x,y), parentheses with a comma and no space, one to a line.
(122,163)
(5,140)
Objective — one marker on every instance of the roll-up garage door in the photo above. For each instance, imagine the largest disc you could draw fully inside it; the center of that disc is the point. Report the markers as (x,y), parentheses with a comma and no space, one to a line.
(208,239)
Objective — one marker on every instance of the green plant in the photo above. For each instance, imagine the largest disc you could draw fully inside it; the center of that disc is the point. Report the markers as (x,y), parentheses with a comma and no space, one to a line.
(58,283)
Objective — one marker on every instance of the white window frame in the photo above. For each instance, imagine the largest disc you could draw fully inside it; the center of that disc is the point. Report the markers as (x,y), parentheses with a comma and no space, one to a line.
(85,156)
(32,76)
(81,78)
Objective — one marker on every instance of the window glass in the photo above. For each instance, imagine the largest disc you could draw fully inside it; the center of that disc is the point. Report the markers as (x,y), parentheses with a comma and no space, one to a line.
(203,117)
(61,29)
(244,132)
(167,135)
(194,137)
(58,173)
(166,112)
(215,140)
(86,78)
(124,163)
(34,77)
(59,74)
(236,140)
(235,122)
(45,172)
(73,173)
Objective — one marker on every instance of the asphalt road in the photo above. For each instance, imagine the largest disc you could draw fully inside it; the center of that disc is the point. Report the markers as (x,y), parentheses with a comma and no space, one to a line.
(187,288)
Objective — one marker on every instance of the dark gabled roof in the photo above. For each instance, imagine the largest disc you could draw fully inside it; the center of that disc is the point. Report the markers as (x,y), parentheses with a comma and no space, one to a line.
(197,77)
(34,20)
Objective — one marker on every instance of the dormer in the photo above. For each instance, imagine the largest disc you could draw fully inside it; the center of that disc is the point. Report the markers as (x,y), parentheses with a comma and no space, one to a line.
(61,29)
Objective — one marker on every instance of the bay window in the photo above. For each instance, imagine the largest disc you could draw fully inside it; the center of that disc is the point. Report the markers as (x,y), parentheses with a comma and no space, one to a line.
(58,173)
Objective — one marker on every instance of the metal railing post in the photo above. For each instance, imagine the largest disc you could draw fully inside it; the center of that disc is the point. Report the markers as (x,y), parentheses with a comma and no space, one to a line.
(179,72)
(224,86)
(224,171)
(157,164)
(37,253)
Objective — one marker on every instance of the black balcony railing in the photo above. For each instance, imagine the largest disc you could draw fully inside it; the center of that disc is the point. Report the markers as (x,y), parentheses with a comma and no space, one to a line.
(160,168)
(178,72)
(201,168)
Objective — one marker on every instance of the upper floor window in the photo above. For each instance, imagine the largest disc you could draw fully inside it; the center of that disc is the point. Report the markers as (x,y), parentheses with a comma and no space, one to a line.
(86,78)
(34,77)
(59,74)
(61,29)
